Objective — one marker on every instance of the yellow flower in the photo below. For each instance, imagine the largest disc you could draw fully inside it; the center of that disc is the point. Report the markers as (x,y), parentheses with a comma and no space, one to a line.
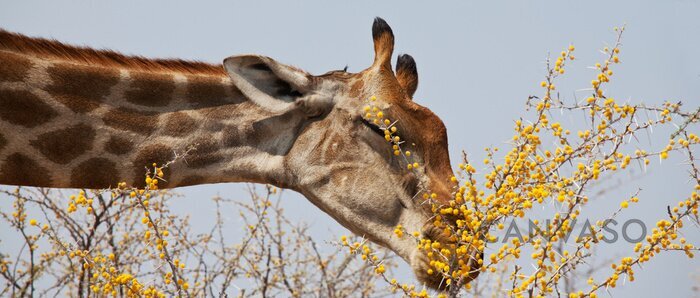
(33,222)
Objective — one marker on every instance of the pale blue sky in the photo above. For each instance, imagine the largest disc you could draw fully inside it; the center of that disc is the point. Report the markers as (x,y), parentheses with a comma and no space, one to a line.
(477,63)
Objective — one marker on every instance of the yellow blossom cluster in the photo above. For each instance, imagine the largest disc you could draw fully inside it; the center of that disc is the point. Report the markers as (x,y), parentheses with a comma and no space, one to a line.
(80,200)
(377,116)
(367,254)
(107,280)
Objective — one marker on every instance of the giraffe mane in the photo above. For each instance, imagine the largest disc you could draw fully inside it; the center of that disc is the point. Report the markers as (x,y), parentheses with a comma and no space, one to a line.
(53,49)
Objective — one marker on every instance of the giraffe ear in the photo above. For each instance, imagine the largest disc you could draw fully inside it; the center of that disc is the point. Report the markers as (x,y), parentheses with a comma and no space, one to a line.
(383,43)
(273,86)
(407,74)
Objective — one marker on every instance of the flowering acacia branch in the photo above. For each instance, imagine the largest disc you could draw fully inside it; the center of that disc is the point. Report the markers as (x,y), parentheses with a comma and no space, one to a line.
(563,175)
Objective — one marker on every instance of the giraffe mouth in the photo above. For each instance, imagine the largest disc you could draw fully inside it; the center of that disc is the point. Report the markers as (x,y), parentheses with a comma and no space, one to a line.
(423,261)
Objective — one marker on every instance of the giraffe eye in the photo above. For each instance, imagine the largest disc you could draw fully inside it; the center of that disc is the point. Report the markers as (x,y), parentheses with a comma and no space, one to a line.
(373,127)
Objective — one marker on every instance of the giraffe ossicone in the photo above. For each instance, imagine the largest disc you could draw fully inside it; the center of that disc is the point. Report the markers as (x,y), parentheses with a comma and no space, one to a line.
(73,117)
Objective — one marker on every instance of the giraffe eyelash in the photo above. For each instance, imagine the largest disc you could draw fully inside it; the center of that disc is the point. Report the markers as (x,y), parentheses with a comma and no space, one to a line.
(373,127)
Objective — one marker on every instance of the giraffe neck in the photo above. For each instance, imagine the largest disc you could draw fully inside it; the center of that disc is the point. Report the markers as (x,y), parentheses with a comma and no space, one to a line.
(70,124)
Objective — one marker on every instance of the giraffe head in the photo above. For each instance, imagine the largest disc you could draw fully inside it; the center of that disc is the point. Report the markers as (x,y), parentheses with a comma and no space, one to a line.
(341,161)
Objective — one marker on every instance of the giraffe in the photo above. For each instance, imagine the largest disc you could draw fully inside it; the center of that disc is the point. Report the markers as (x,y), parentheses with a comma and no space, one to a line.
(76,117)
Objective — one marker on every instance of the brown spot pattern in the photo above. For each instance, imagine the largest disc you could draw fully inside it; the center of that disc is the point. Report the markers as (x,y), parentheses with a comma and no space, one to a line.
(80,88)
(156,153)
(13,68)
(191,180)
(204,154)
(225,111)
(118,145)
(63,145)
(95,173)
(179,124)
(132,120)
(233,137)
(3,142)
(150,89)
(207,91)
(19,169)
(21,107)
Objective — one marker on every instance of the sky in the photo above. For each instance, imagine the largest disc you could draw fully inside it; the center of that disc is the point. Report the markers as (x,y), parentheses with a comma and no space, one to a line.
(477,63)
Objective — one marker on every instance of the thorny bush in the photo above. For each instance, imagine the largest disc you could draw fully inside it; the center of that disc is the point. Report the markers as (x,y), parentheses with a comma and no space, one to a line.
(127,243)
